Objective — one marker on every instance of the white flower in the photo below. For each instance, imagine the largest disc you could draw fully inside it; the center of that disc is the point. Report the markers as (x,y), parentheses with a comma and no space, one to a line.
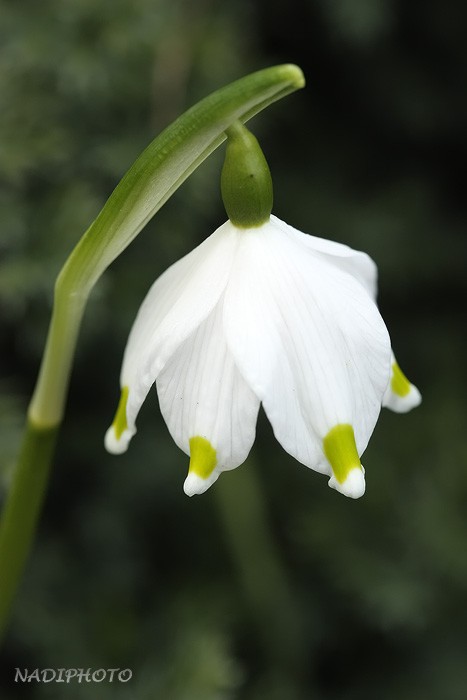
(265,315)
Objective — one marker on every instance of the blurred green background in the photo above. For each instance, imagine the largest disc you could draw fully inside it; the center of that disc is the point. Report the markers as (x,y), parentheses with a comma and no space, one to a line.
(271,585)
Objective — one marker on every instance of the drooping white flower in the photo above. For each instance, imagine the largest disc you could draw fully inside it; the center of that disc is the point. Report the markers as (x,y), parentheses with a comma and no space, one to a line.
(264,315)
(261,313)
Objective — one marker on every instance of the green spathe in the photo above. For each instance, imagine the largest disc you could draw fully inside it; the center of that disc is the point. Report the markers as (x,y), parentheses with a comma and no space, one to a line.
(148,184)
(246,183)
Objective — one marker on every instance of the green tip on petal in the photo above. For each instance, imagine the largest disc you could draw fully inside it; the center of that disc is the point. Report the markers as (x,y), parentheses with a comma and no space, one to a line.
(203,461)
(120,423)
(341,452)
(401,395)
(400,385)
(118,436)
(203,458)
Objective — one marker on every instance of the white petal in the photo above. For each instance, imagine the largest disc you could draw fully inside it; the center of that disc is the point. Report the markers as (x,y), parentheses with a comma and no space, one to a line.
(354,484)
(400,396)
(363,268)
(308,339)
(203,396)
(118,436)
(355,262)
(175,305)
(117,444)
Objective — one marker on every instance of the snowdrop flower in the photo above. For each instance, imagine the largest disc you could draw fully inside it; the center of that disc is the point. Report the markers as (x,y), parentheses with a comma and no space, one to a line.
(262,314)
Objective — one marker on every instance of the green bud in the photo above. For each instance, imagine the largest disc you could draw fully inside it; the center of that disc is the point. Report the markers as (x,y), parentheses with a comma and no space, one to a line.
(246,183)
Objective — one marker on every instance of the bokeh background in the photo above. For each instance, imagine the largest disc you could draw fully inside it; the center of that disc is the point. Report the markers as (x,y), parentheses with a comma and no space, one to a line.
(270,585)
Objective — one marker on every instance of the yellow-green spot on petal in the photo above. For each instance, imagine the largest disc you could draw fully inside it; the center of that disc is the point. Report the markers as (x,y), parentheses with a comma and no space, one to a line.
(399,382)
(203,458)
(341,451)
(120,423)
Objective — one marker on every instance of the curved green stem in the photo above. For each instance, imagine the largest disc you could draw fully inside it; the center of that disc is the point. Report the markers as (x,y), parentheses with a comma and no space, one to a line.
(153,178)
(149,183)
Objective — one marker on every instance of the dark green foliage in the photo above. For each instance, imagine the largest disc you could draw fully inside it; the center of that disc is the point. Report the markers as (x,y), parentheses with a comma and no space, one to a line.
(127,572)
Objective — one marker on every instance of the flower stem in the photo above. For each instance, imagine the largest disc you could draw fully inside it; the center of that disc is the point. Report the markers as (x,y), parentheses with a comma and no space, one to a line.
(152,179)
(20,515)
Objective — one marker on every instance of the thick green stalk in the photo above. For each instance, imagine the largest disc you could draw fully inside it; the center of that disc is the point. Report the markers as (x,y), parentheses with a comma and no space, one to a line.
(152,179)
(21,512)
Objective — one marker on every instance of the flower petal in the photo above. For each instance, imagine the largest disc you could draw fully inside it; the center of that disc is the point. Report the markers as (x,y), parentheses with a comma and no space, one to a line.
(401,396)
(348,475)
(355,262)
(118,435)
(210,410)
(309,340)
(175,305)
